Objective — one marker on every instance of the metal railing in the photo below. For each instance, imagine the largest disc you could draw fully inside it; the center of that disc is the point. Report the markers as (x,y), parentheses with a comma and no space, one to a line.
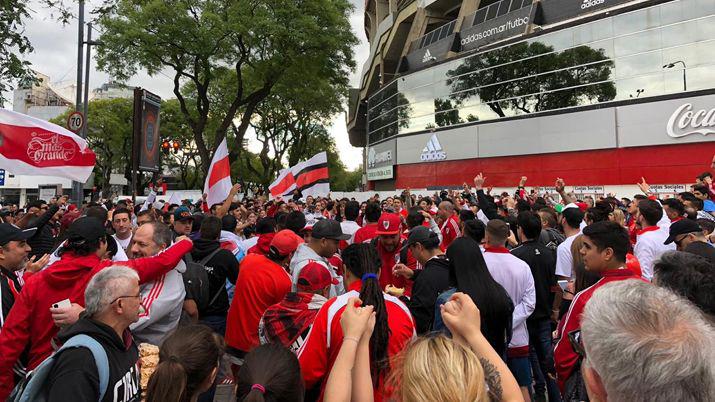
(497,9)
(434,35)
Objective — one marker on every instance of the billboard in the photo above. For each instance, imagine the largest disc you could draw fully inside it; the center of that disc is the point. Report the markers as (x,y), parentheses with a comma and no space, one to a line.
(380,160)
(433,53)
(503,27)
(553,11)
(148,144)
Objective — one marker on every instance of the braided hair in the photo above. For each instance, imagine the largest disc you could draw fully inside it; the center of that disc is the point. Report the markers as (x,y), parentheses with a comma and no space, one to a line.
(362,259)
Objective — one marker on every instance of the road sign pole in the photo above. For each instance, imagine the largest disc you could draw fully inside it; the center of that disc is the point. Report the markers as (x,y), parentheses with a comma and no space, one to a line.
(77,186)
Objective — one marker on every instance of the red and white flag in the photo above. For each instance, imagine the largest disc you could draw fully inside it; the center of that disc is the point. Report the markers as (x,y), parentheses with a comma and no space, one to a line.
(36,147)
(218,181)
(312,176)
(283,185)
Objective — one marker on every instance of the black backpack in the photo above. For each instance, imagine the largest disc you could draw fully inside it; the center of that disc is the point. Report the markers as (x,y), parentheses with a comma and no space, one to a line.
(196,281)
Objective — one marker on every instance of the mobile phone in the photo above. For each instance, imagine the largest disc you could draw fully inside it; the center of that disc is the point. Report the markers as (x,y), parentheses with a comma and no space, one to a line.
(62,304)
(563,284)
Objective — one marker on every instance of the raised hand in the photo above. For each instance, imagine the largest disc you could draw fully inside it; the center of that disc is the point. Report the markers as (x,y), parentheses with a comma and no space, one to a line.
(479,181)
(645,187)
(355,318)
(559,185)
(34,266)
(461,315)
(522,181)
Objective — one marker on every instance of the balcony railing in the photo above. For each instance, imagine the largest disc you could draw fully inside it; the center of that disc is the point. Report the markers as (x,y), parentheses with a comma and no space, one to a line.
(497,9)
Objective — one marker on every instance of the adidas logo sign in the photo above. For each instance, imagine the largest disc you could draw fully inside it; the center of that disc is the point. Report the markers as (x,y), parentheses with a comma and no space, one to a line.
(428,57)
(433,151)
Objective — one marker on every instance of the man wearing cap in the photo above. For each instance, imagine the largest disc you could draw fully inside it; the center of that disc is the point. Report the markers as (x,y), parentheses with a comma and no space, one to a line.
(183,222)
(13,257)
(30,322)
(430,281)
(324,241)
(688,236)
(516,278)
(389,244)
(289,321)
(262,282)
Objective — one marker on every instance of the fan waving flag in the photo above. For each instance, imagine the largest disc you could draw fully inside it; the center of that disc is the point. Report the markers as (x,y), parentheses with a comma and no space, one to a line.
(36,147)
(312,177)
(218,181)
(283,185)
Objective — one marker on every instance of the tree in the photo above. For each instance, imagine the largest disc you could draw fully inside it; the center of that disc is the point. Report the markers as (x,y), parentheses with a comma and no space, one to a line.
(14,44)
(109,135)
(516,87)
(173,126)
(232,53)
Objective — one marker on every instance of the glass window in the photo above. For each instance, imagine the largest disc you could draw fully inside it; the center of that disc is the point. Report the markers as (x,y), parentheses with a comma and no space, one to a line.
(639,87)
(706,28)
(643,63)
(636,21)
(637,43)
(679,34)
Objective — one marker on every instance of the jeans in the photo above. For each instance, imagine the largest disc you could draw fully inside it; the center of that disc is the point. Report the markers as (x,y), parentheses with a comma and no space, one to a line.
(542,358)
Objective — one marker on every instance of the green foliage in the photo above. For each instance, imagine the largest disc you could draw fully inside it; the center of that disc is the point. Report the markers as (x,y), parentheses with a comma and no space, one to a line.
(109,135)
(226,58)
(506,90)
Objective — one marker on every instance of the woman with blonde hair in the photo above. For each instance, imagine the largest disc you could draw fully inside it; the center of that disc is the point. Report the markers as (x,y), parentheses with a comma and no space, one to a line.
(464,368)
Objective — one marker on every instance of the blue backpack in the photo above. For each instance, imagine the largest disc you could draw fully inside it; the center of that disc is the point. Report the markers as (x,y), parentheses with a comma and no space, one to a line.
(33,389)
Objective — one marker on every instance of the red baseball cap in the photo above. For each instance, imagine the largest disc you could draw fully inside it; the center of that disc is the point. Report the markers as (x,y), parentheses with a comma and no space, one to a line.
(286,242)
(315,276)
(388,224)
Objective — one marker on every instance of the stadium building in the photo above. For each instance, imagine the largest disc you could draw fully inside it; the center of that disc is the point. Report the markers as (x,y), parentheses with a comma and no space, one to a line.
(599,92)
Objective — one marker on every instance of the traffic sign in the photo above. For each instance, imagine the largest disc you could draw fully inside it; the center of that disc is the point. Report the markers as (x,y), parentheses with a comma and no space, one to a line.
(75,121)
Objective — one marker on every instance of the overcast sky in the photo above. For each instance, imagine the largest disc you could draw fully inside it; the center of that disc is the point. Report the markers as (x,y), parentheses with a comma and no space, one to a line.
(56,56)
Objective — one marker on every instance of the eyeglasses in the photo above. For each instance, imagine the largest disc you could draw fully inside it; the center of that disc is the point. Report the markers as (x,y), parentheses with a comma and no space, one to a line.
(678,241)
(126,297)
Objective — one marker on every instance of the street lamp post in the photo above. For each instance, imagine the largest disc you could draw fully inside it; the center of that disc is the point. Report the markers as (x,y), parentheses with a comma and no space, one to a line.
(671,65)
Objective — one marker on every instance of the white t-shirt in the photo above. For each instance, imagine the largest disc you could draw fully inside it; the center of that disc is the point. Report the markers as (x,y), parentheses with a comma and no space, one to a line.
(123,243)
(349,227)
(564,259)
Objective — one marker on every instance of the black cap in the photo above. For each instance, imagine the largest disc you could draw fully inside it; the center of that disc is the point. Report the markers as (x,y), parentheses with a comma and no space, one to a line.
(10,233)
(421,234)
(329,229)
(88,228)
(680,227)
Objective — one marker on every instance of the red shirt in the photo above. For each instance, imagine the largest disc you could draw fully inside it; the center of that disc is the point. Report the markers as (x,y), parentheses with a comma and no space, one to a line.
(365,233)
(450,231)
(30,324)
(321,347)
(261,283)
(389,259)
(565,357)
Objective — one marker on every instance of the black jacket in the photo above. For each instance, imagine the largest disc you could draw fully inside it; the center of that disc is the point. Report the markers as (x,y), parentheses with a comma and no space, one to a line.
(42,242)
(429,283)
(220,267)
(542,263)
(702,249)
(74,376)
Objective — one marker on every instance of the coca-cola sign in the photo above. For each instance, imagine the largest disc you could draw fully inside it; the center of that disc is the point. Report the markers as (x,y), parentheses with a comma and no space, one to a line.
(47,147)
(686,121)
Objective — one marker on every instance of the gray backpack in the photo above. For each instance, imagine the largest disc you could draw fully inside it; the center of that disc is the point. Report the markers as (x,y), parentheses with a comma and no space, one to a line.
(33,389)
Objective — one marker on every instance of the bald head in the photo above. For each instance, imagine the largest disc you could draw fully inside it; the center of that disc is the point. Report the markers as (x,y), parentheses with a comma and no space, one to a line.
(446,209)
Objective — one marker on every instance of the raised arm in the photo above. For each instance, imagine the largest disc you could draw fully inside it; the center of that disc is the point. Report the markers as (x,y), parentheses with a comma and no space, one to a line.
(150,268)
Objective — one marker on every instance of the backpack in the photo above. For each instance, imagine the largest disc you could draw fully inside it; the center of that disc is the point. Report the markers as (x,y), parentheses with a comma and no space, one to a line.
(33,389)
(196,281)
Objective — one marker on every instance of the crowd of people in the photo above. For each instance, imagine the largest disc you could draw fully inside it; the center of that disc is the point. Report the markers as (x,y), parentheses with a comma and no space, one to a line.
(463,295)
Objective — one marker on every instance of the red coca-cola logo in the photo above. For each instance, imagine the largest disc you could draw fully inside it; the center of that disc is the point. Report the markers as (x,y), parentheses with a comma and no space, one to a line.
(49,147)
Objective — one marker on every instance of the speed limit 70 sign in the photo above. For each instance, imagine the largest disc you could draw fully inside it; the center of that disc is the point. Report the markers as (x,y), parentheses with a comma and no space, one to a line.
(75,121)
